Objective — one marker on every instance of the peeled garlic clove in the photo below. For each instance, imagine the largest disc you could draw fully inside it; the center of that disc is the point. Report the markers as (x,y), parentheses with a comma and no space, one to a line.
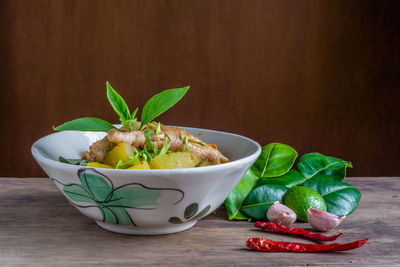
(281,214)
(322,220)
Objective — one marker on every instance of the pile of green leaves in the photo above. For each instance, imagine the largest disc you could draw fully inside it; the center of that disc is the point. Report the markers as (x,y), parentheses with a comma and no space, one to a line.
(272,175)
(156,105)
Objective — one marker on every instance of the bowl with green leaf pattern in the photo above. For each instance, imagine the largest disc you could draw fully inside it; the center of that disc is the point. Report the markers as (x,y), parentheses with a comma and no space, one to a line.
(144,202)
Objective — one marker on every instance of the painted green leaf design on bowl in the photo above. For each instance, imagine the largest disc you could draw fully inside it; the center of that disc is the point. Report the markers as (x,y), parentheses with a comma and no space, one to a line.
(190,214)
(97,190)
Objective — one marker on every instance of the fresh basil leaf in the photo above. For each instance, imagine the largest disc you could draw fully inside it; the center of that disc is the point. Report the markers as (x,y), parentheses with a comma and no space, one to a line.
(314,164)
(130,124)
(164,149)
(261,198)
(275,160)
(85,124)
(158,131)
(289,179)
(145,155)
(118,103)
(235,199)
(131,162)
(169,138)
(340,198)
(186,142)
(134,113)
(108,149)
(81,162)
(120,165)
(63,160)
(155,151)
(147,136)
(160,103)
(125,165)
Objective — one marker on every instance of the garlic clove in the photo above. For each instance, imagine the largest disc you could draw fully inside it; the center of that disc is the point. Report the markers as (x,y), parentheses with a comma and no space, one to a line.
(322,220)
(281,214)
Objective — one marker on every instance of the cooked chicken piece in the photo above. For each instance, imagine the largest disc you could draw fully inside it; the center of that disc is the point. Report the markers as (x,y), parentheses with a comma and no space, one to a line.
(176,137)
(177,140)
(96,150)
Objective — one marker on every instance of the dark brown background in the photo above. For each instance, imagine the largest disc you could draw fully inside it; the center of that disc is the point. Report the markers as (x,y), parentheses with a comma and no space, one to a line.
(317,75)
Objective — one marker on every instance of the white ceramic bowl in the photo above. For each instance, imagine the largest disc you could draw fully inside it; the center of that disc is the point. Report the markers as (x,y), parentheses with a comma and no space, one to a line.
(144,202)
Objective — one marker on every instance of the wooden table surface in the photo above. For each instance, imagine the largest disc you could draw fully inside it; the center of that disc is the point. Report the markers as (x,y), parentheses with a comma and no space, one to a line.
(39,227)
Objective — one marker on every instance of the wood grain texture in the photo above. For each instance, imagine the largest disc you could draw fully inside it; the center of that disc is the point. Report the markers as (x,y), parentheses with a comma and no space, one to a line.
(39,228)
(317,75)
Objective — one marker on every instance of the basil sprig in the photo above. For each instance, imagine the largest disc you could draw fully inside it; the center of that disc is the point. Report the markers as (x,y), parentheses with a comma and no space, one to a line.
(156,105)
(127,119)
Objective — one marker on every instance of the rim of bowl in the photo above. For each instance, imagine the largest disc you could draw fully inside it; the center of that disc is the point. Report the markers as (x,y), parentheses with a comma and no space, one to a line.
(39,157)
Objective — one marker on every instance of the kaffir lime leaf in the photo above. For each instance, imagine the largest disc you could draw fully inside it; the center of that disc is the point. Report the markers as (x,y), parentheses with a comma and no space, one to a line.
(300,198)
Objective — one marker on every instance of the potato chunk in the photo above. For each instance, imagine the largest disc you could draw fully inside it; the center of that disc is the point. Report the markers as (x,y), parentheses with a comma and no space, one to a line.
(98,165)
(175,160)
(205,163)
(121,151)
(143,165)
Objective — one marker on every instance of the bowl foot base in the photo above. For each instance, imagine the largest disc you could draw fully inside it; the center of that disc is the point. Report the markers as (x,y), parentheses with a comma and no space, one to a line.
(133,230)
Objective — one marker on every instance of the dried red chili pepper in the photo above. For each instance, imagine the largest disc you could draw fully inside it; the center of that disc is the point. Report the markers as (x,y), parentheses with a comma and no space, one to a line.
(278,228)
(267,245)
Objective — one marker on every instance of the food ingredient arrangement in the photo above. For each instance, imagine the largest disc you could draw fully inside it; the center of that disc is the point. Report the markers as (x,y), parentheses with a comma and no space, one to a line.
(272,190)
(313,193)
(316,183)
(146,144)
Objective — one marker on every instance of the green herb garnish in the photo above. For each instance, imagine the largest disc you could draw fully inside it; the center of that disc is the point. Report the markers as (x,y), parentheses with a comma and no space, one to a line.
(131,162)
(85,124)
(169,138)
(156,105)
(121,108)
(108,149)
(145,155)
(186,141)
(160,103)
(81,162)
(147,135)
(118,103)
(158,131)
(164,149)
